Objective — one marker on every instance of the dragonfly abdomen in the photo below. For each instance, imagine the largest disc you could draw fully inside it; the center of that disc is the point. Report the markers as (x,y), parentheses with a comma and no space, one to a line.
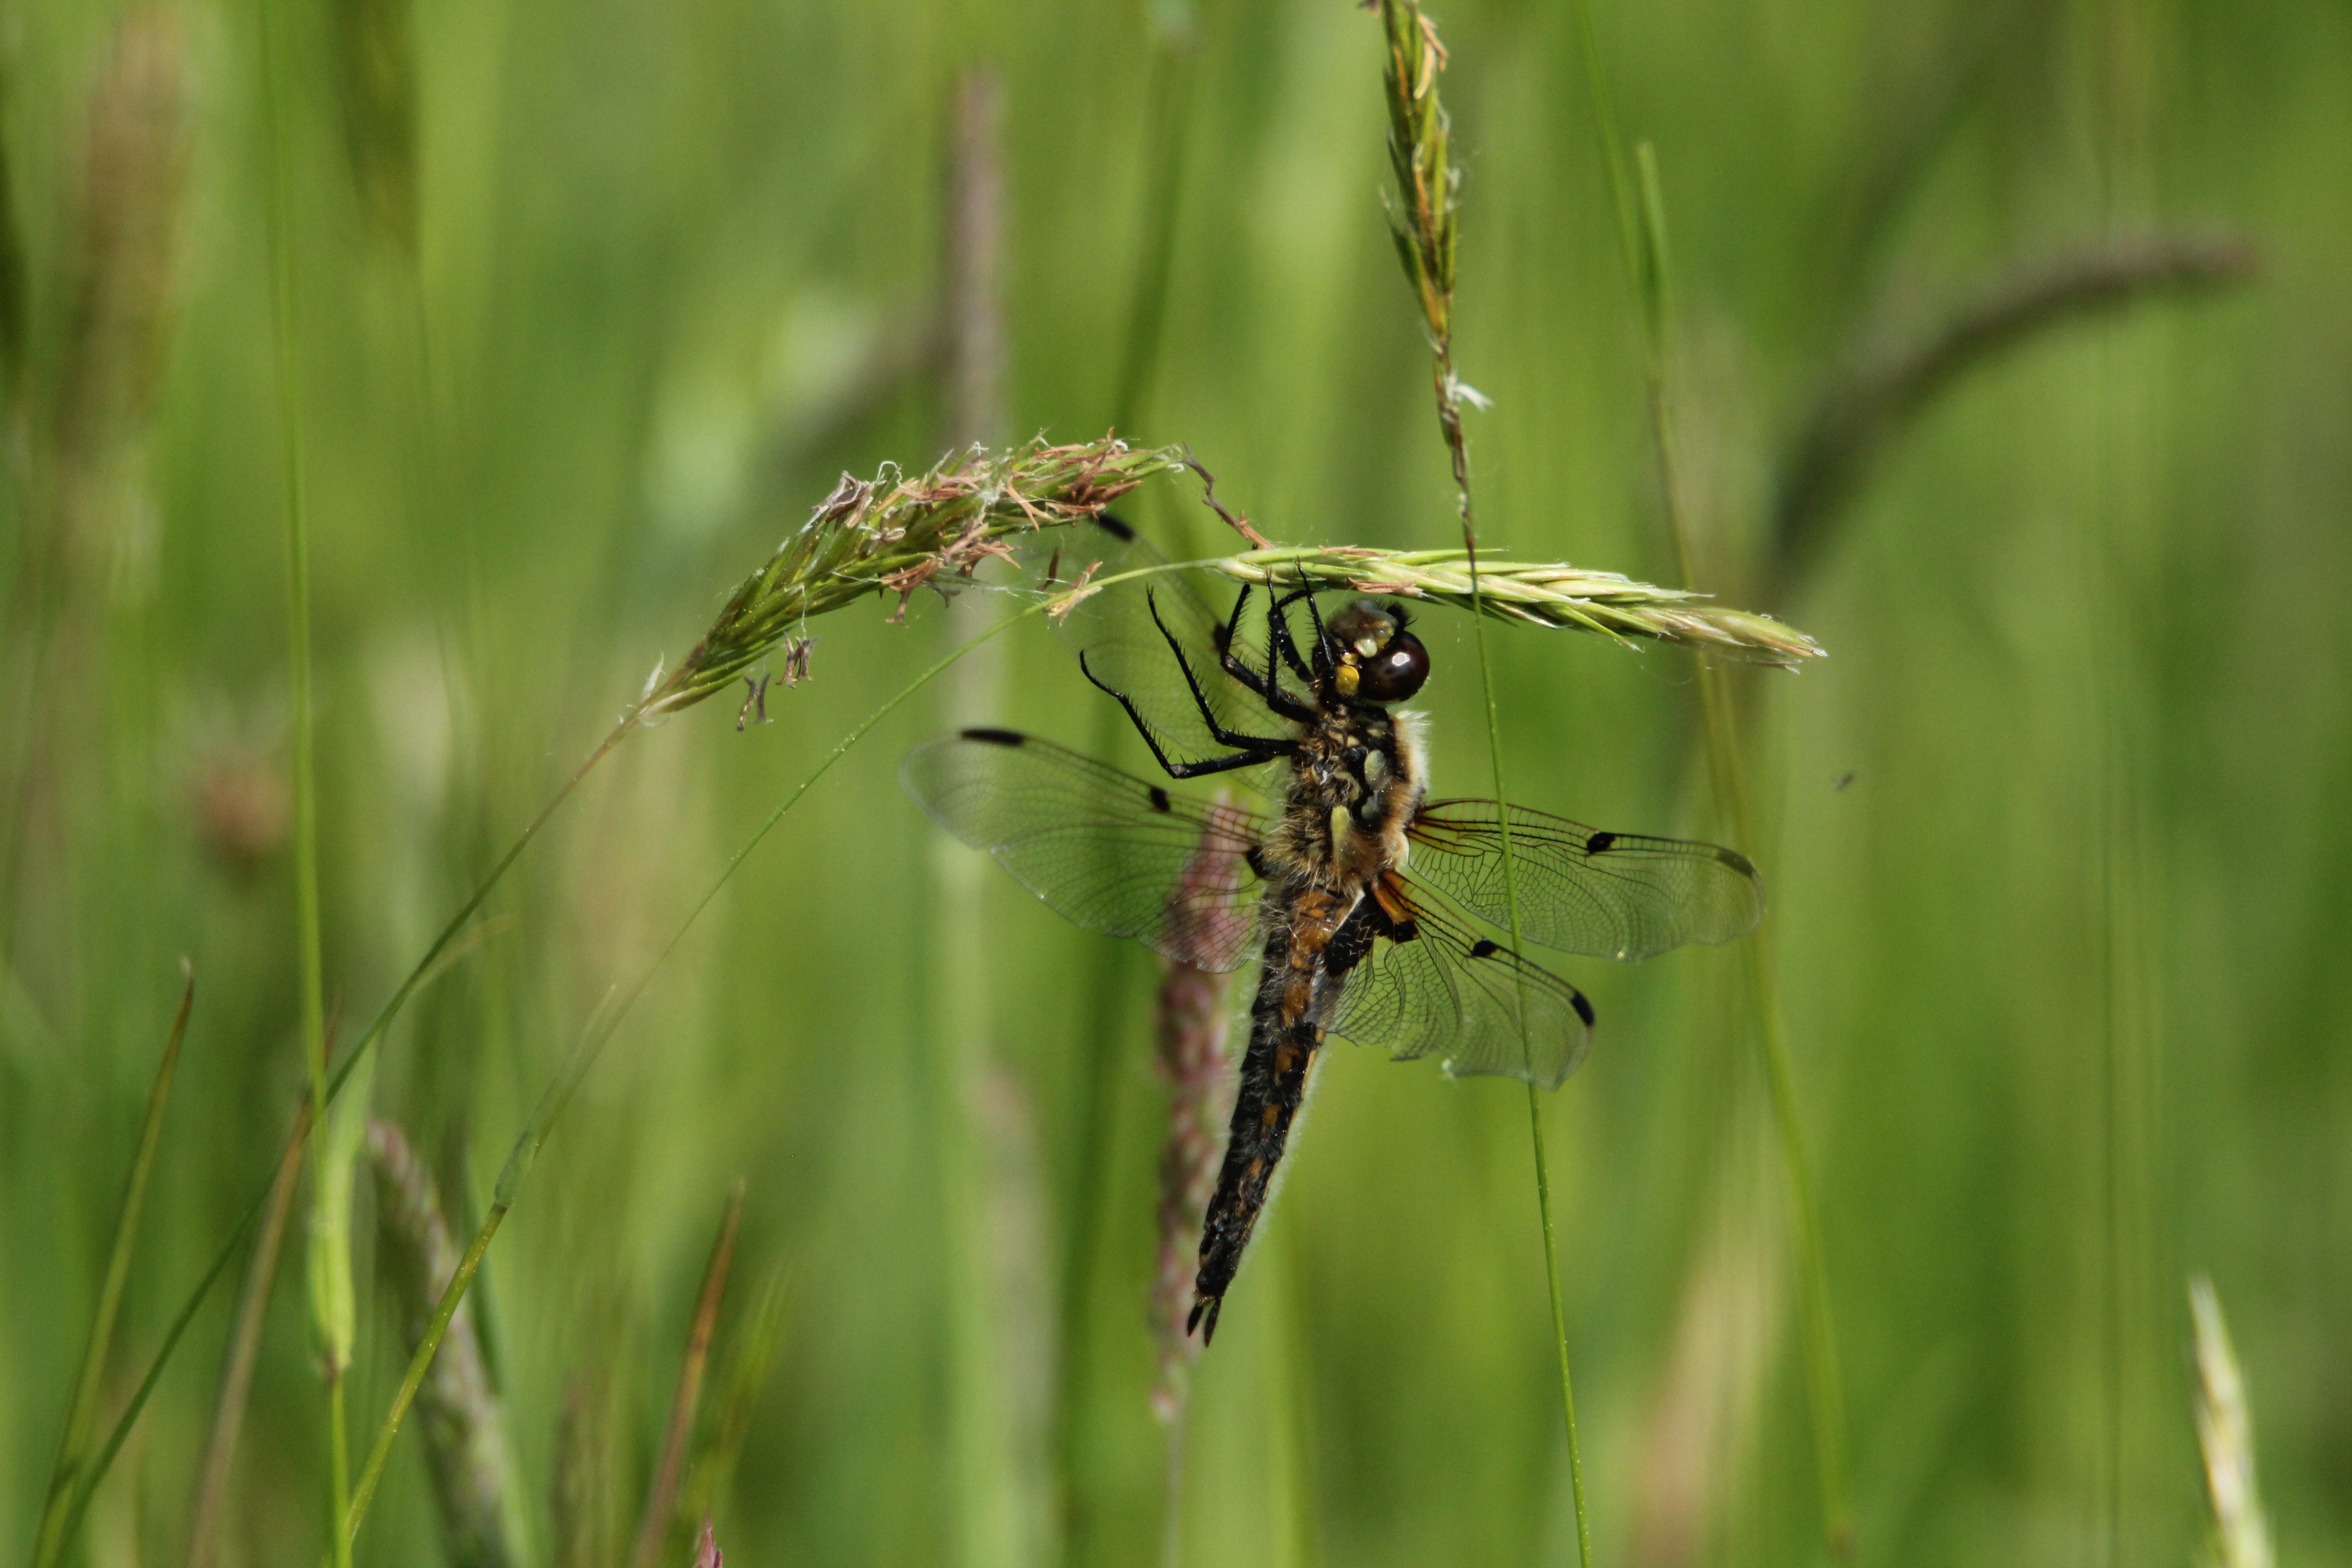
(1285,1032)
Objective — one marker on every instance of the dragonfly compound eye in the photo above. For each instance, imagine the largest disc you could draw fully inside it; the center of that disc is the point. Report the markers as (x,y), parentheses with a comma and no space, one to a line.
(1394,673)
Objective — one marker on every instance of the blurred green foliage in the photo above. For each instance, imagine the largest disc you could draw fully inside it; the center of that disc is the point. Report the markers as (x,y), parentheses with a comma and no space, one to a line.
(595,299)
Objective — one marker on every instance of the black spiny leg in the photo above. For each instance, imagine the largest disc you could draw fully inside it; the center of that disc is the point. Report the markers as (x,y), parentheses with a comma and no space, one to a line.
(1201,698)
(1326,672)
(1267,688)
(1260,749)
(1278,637)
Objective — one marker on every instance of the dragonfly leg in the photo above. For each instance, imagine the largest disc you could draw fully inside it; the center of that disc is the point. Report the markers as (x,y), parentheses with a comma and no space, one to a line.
(1325,673)
(1201,698)
(1256,748)
(1266,688)
(1278,637)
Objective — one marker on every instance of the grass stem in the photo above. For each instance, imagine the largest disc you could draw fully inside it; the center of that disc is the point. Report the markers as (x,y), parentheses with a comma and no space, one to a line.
(1104,987)
(1049,485)
(243,1352)
(661,1500)
(70,1480)
(1825,1398)
(601,1029)
(284,337)
(1426,241)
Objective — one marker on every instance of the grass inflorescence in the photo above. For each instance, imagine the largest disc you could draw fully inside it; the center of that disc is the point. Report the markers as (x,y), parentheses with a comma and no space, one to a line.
(2225,1433)
(1546,594)
(894,534)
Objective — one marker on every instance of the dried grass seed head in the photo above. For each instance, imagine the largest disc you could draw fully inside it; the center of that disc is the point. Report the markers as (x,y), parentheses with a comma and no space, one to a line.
(895,534)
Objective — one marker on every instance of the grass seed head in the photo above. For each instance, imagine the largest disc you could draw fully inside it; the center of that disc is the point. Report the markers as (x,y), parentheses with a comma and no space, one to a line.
(1545,594)
(2225,1431)
(895,534)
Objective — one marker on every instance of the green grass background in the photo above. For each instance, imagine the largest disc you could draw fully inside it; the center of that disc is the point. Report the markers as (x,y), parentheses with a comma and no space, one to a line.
(2062,962)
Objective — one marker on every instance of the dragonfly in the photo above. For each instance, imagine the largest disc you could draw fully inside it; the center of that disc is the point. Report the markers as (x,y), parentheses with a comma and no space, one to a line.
(1373,913)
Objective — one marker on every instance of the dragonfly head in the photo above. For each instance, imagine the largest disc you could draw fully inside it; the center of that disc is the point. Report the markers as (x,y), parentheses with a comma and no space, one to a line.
(1373,657)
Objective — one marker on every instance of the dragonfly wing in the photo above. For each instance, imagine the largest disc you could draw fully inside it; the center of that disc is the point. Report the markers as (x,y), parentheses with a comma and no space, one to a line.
(1125,633)
(1433,988)
(1582,889)
(1103,849)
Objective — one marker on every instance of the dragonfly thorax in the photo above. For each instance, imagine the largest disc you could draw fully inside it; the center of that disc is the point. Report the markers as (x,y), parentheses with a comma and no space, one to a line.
(1354,786)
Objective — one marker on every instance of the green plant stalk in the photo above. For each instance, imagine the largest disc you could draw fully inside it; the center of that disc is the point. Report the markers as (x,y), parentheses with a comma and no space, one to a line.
(244,1350)
(661,1503)
(1426,247)
(286,343)
(1535,1102)
(426,967)
(1825,1396)
(1548,594)
(1164,149)
(61,1511)
(592,1043)
(333,1305)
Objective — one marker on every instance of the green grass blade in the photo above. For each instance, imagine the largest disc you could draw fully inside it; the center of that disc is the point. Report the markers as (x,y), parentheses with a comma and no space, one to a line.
(1825,1396)
(245,1351)
(70,1480)
(653,1526)
(583,1055)
(1426,236)
(329,1238)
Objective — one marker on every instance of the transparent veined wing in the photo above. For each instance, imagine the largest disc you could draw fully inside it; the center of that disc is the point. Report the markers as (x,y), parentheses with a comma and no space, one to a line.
(1432,987)
(1127,634)
(1585,889)
(1101,847)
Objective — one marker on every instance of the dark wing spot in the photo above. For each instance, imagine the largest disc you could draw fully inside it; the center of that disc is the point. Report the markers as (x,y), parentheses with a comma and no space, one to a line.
(1481,948)
(997,737)
(1158,799)
(1404,931)
(1113,527)
(1736,860)
(1583,1008)
(1599,842)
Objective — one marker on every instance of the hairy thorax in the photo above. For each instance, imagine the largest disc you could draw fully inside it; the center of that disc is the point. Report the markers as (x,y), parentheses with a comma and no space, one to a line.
(1352,791)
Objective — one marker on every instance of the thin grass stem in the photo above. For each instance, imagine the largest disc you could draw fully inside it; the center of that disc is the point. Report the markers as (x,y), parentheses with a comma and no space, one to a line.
(1426,238)
(425,967)
(1041,486)
(285,330)
(66,1487)
(1426,242)
(661,1500)
(1159,194)
(1825,1396)
(599,1030)
(245,1351)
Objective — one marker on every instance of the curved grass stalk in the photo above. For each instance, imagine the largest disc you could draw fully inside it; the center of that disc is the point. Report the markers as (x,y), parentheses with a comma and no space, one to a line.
(68,1492)
(1641,233)
(599,1033)
(426,967)
(862,538)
